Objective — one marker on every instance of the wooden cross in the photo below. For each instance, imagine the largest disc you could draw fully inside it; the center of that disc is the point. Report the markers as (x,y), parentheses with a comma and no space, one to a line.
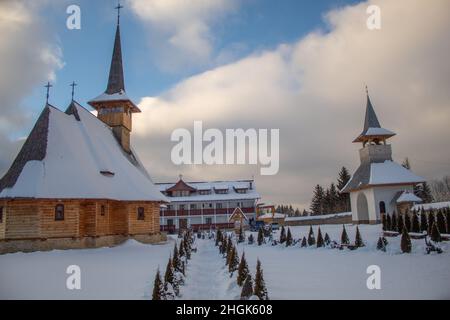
(48,86)
(119,6)
(73,85)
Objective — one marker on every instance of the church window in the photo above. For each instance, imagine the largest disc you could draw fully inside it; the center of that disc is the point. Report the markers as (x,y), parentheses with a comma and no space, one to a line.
(59,212)
(141,213)
(1,214)
(102,210)
(382,207)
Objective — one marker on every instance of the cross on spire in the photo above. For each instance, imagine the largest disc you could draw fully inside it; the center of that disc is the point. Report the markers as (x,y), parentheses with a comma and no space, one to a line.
(367,89)
(48,86)
(119,6)
(73,85)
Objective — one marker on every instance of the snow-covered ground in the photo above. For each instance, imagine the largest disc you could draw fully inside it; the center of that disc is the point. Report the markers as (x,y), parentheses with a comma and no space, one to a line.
(127,271)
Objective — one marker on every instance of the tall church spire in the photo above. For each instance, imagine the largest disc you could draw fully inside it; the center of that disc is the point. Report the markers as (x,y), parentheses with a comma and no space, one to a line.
(116,81)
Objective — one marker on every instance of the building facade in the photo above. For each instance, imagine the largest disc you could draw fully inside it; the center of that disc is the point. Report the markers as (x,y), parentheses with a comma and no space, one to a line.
(379,185)
(205,205)
(76,182)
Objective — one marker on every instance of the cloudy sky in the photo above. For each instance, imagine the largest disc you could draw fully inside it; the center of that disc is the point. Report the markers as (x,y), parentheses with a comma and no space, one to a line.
(297,66)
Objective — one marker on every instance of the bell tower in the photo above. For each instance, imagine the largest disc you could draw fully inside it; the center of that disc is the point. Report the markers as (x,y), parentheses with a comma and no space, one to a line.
(373,138)
(113,106)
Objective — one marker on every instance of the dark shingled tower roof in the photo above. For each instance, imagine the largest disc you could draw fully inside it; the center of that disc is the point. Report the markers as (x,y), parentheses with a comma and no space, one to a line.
(371,120)
(116,81)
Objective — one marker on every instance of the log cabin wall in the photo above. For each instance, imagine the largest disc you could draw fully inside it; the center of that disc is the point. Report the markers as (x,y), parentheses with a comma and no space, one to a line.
(50,227)
(88,220)
(2,219)
(119,217)
(102,227)
(22,219)
(150,222)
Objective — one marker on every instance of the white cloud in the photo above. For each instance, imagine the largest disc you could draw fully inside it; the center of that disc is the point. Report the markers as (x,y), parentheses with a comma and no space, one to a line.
(27,59)
(313,91)
(184,28)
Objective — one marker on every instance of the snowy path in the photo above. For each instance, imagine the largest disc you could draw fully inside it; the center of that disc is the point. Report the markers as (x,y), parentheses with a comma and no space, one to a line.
(207,277)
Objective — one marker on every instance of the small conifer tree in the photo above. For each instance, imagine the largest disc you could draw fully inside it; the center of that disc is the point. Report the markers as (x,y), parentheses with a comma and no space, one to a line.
(407,222)
(241,235)
(247,288)
(260,285)
(384,222)
(242,270)
(260,236)
(289,239)
(176,261)
(251,239)
(158,288)
(327,239)
(400,223)
(415,226)
(435,234)
(440,221)
(431,221)
(423,221)
(388,222)
(358,239)
(218,237)
(381,244)
(304,243)
(447,217)
(282,235)
(405,243)
(311,238)
(320,242)
(233,262)
(181,249)
(394,222)
(344,236)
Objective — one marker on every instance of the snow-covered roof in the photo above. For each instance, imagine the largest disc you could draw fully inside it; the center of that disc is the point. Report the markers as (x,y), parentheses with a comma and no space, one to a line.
(251,193)
(119,96)
(272,215)
(383,173)
(407,196)
(78,158)
(378,132)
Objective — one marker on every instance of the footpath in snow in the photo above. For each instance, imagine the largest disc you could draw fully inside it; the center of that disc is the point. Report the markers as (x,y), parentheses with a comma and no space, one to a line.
(207,277)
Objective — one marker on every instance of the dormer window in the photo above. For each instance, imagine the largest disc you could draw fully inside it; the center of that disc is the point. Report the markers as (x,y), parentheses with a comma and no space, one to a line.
(221,191)
(59,212)
(241,190)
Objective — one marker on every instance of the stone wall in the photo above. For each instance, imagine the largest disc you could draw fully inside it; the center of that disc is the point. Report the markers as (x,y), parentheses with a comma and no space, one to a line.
(11,246)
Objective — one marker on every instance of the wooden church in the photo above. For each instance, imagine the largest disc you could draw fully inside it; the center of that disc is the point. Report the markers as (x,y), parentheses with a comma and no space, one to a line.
(77,182)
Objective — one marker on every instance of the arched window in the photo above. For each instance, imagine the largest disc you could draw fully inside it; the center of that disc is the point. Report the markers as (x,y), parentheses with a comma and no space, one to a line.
(1,214)
(382,207)
(141,213)
(59,212)
(102,210)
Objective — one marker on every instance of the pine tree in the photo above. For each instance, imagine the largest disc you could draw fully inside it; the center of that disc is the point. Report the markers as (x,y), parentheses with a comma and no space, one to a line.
(181,251)
(327,239)
(384,222)
(218,237)
(229,248)
(344,198)
(304,243)
(251,239)
(176,261)
(311,239)
(317,200)
(394,222)
(358,239)
(282,235)
(423,191)
(260,236)
(247,289)
(388,222)
(440,221)
(224,245)
(260,285)
(241,237)
(405,243)
(233,262)
(344,236)
(333,199)
(415,227)
(319,239)
(170,279)
(400,223)
(289,239)
(381,244)
(423,221)
(158,288)
(242,270)
(407,222)
(435,234)
(431,221)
